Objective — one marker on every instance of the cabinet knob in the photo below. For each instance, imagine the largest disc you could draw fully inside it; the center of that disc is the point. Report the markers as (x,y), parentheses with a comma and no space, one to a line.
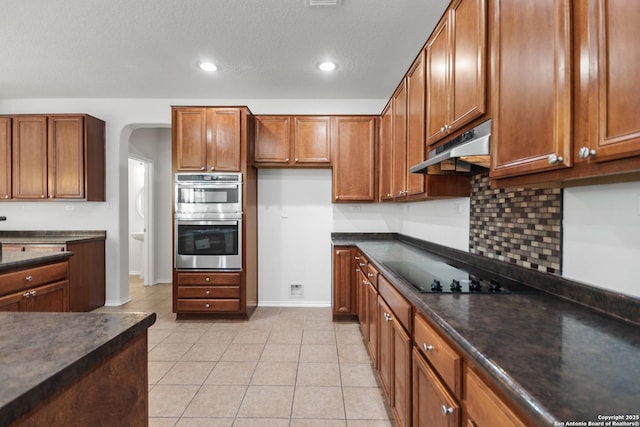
(554,158)
(26,294)
(426,347)
(207,305)
(371,275)
(389,195)
(202,168)
(28,278)
(33,293)
(585,153)
(42,196)
(207,292)
(206,279)
(446,410)
(213,168)
(51,196)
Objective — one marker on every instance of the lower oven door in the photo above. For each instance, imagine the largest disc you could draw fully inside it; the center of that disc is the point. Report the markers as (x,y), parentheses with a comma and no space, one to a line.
(208,244)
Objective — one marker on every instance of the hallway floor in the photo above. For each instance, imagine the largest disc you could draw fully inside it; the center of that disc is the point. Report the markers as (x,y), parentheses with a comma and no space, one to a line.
(284,367)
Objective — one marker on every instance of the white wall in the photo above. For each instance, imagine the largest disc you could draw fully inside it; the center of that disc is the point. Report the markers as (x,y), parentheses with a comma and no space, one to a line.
(601,235)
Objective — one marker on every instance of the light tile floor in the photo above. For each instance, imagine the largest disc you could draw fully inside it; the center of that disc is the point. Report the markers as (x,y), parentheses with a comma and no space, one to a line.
(284,367)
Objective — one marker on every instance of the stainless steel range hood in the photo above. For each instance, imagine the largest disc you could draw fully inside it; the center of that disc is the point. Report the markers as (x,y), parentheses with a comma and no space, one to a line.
(471,147)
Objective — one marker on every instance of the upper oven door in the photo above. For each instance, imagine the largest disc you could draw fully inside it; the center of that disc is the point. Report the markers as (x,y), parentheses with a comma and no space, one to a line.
(208,197)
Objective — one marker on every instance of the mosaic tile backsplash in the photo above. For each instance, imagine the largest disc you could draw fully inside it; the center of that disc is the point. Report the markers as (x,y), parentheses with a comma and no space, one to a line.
(520,226)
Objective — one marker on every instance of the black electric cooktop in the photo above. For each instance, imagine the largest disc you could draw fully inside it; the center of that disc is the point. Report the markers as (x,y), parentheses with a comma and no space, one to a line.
(439,276)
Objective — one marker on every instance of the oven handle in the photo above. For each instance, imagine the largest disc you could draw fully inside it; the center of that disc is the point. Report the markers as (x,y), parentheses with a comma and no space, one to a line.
(207,185)
(206,221)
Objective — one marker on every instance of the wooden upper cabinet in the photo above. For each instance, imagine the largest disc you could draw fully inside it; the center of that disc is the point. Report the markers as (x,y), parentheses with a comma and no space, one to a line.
(415,124)
(30,157)
(57,157)
(190,127)
(207,139)
(273,139)
(399,174)
(354,152)
(531,56)
(312,140)
(456,69)
(5,157)
(66,157)
(386,153)
(615,65)
(289,141)
(224,144)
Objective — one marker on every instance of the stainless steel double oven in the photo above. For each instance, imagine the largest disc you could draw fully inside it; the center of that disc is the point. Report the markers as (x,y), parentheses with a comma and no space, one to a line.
(208,221)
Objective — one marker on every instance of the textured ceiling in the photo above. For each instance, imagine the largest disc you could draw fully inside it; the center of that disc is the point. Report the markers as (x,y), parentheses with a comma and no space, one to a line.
(263,48)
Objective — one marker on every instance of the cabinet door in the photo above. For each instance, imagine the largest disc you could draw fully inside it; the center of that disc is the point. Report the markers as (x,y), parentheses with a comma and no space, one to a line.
(312,139)
(531,55)
(50,298)
(485,408)
(30,157)
(399,141)
(190,139)
(615,48)
(433,405)
(386,153)
(415,125)
(224,146)
(373,320)
(12,302)
(385,349)
(354,141)
(438,65)
(272,139)
(401,400)
(344,293)
(66,157)
(5,157)
(468,58)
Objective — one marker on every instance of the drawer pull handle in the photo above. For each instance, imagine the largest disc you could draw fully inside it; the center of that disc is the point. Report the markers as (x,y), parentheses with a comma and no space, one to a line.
(370,274)
(388,317)
(427,348)
(28,278)
(446,410)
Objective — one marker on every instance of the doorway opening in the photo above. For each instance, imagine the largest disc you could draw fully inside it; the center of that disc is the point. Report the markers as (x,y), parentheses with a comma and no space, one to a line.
(141,219)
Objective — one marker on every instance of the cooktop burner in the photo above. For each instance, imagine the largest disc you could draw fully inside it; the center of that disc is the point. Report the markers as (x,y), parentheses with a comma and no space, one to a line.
(438,276)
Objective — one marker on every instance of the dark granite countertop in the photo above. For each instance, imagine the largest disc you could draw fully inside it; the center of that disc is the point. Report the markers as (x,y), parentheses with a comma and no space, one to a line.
(558,360)
(50,237)
(17,260)
(41,353)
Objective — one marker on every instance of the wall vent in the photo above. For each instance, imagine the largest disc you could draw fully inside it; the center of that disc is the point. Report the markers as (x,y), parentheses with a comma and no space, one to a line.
(323,3)
(296,290)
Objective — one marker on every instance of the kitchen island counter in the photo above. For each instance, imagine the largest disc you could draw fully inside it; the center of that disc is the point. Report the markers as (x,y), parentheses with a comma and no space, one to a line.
(557,360)
(52,363)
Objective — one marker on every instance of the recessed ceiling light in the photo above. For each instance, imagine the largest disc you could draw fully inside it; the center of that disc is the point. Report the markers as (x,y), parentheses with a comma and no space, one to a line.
(327,66)
(208,66)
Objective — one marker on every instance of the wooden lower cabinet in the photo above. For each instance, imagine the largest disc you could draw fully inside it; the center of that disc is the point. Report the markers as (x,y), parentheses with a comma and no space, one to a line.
(484,407)
(43,288)
(433,404)
(114,393)
(87,275)
(207,292)
(344,300)
(395,364)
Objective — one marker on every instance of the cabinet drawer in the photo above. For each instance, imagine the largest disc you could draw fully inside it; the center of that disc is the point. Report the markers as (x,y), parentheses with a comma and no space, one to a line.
(441,356)
(400,306)
(31,277)
(208,305)
(208,278)
(484,407)
(372,275)
(209,291)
